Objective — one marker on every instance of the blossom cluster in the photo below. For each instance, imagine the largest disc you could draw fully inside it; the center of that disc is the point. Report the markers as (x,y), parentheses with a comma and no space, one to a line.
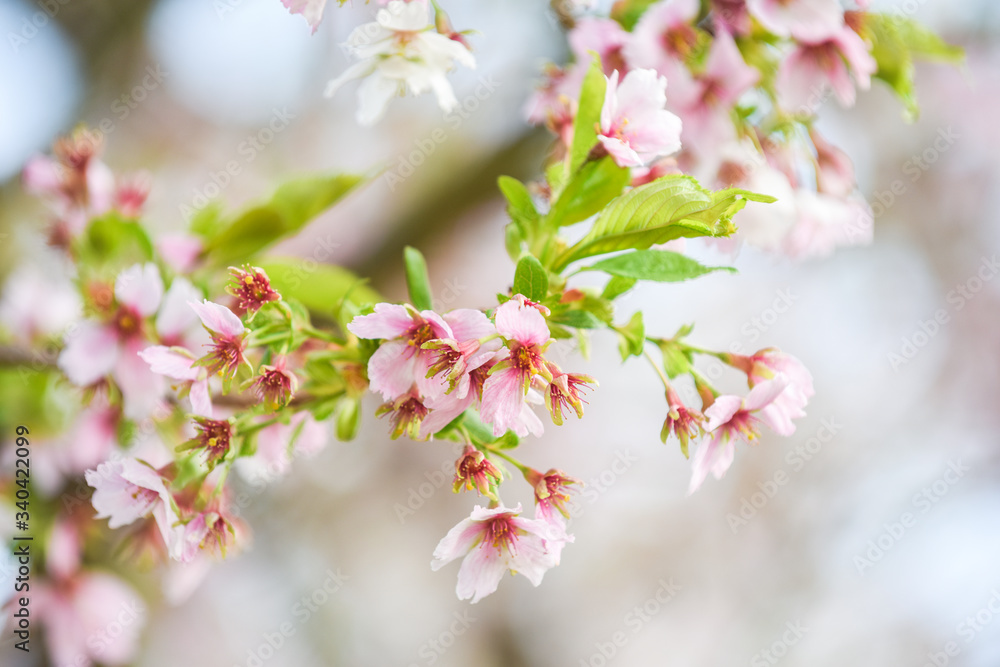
(155,368)
(745,82)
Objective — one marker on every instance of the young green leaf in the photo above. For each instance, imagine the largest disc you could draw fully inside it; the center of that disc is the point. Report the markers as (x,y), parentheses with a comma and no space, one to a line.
(632,336)
(293,205)
(417,280)
(588,114)
(671,207)
(657,265)
(616,287)
(578,319)
(520,208)
(531,279)
(589,190)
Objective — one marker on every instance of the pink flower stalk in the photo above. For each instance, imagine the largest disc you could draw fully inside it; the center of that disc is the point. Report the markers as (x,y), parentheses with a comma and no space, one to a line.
(731,418)
(815,67)
(551,494)
(177,363)
(664,37)
(311,10)
(566,390)
(126,490)
(806,20)
(400,361)
(635,128)
(228,339)
(92,618)
(275,384)
(506,389)
(214,438)
(493,541)
(603,36)
(682,422)
(94,350)
(474,471)
(251,287)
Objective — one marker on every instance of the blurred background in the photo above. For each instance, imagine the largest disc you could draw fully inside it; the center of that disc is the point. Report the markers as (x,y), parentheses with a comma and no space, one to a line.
(871,537)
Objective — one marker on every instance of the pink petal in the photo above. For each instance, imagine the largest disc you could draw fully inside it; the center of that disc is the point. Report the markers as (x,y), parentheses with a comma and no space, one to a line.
(142,389)
(201,399)
(481,573)
(388,321)
(469,324)
(762,394)
(112,616)
(140,287)
(722,410)
(311,10)
(523,323)
(457,543)
(392,369)
(218,318)
(170,362)
(503,399)
(90,353)
(179,251)
(42,176)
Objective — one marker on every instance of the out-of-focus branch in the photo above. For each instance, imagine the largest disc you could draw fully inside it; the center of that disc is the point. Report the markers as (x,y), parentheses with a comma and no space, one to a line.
(438,213)
(563,13)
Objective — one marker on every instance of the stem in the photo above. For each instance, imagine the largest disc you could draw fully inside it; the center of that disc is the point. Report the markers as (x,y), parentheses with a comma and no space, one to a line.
(499,452)
(658,369)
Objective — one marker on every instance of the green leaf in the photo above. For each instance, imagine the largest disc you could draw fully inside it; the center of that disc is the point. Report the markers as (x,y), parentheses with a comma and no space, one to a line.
(671,207)
(579,319)
(321,288)
(675,360)
(616,287)
(111,243)
(896,42)
(588,115)
(417,279)
(520,208)
(531,279)
(589,190)
(293,205)
(657,265)
(632,336)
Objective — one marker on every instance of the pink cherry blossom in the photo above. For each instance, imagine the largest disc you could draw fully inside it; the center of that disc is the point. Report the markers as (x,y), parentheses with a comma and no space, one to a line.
(226,351)
(95,350)
(64,550)
(126,490)
(506,389)
(400,360)
(635,128)
(551,495)
(732,418)
(78,615)
(603,36)
(732,16)
(815,67)
(178,364)
(704,101)
(663,38)
(493,541)
(808,20)
(834,169)
(766,364)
